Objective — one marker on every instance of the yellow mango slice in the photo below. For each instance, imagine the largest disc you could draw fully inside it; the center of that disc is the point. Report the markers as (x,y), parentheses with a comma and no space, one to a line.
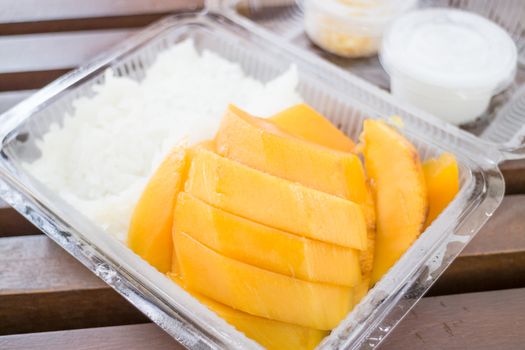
(271,334)
(256,143)
(260,292)
(442,179)
(303,122)
(149,233)
(265,247)
(275,202)
(393,164)
(360,291)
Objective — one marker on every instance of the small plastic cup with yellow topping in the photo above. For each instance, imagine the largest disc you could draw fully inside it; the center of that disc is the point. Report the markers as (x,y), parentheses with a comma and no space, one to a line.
(351,28)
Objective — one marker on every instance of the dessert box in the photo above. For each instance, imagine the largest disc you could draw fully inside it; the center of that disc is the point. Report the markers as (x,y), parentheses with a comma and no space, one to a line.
(342,97)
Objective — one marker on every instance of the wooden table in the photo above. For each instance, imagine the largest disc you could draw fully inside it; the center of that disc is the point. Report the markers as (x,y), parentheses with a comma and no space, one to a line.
(49,301)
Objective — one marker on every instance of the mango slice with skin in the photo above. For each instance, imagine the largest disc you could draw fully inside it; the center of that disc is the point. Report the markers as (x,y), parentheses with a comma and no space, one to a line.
(442,179)
(149,233)
(393,164)
(271,334)
(303,122)
(260,292)
(275,202)
(257,143)
(366,258)
(264,246)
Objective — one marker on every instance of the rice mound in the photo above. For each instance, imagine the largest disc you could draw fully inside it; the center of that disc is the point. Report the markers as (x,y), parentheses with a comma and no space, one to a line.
(101,158)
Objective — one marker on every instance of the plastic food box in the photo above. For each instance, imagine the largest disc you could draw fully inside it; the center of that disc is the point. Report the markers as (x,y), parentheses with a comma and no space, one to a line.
(352,29)
(343,98)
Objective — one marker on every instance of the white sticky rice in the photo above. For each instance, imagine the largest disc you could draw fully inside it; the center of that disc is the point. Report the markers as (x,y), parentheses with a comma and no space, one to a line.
(106,150)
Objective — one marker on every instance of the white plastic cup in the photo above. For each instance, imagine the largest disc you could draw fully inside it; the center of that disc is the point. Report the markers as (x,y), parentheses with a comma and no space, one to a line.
(351,28)
(448,62)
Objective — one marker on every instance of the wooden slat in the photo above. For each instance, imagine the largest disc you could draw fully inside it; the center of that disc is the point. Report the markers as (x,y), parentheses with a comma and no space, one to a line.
(36,272)
(36,264)
(80,24)
(134,337)
(14,224)
(35,10)
(30,16)
(41,52)
(489,320)
(495,258)
(42,288)
(41,311)
(32,61)
(477,321)
(514,173)
(32,80)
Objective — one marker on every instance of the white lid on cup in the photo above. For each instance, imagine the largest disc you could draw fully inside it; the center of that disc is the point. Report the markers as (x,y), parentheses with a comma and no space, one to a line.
(450,48)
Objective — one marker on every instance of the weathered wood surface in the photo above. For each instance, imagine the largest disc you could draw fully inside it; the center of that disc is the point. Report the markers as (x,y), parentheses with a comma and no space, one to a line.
(37,10)
(34,16)
(42,288)
(32,61)
(481,321)
(488,320)
(144,336)
(495,258)
(514,173)
(34,272)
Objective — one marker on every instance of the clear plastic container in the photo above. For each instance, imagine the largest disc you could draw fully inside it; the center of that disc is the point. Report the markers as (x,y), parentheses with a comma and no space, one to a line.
(448,62)
(351,28)
(343,98)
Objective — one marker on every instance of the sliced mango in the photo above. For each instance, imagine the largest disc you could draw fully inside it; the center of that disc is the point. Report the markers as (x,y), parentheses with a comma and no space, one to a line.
(260,292)
(393,164)
(442,179)
(275,202)
(360,291)
(256,143)
(303,122)
(273,335)
(149,233)
(269,333)
(265,247)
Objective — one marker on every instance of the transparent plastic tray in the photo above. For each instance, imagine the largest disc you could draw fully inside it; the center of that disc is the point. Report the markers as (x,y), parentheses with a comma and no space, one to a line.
(343,98)
(497,125)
